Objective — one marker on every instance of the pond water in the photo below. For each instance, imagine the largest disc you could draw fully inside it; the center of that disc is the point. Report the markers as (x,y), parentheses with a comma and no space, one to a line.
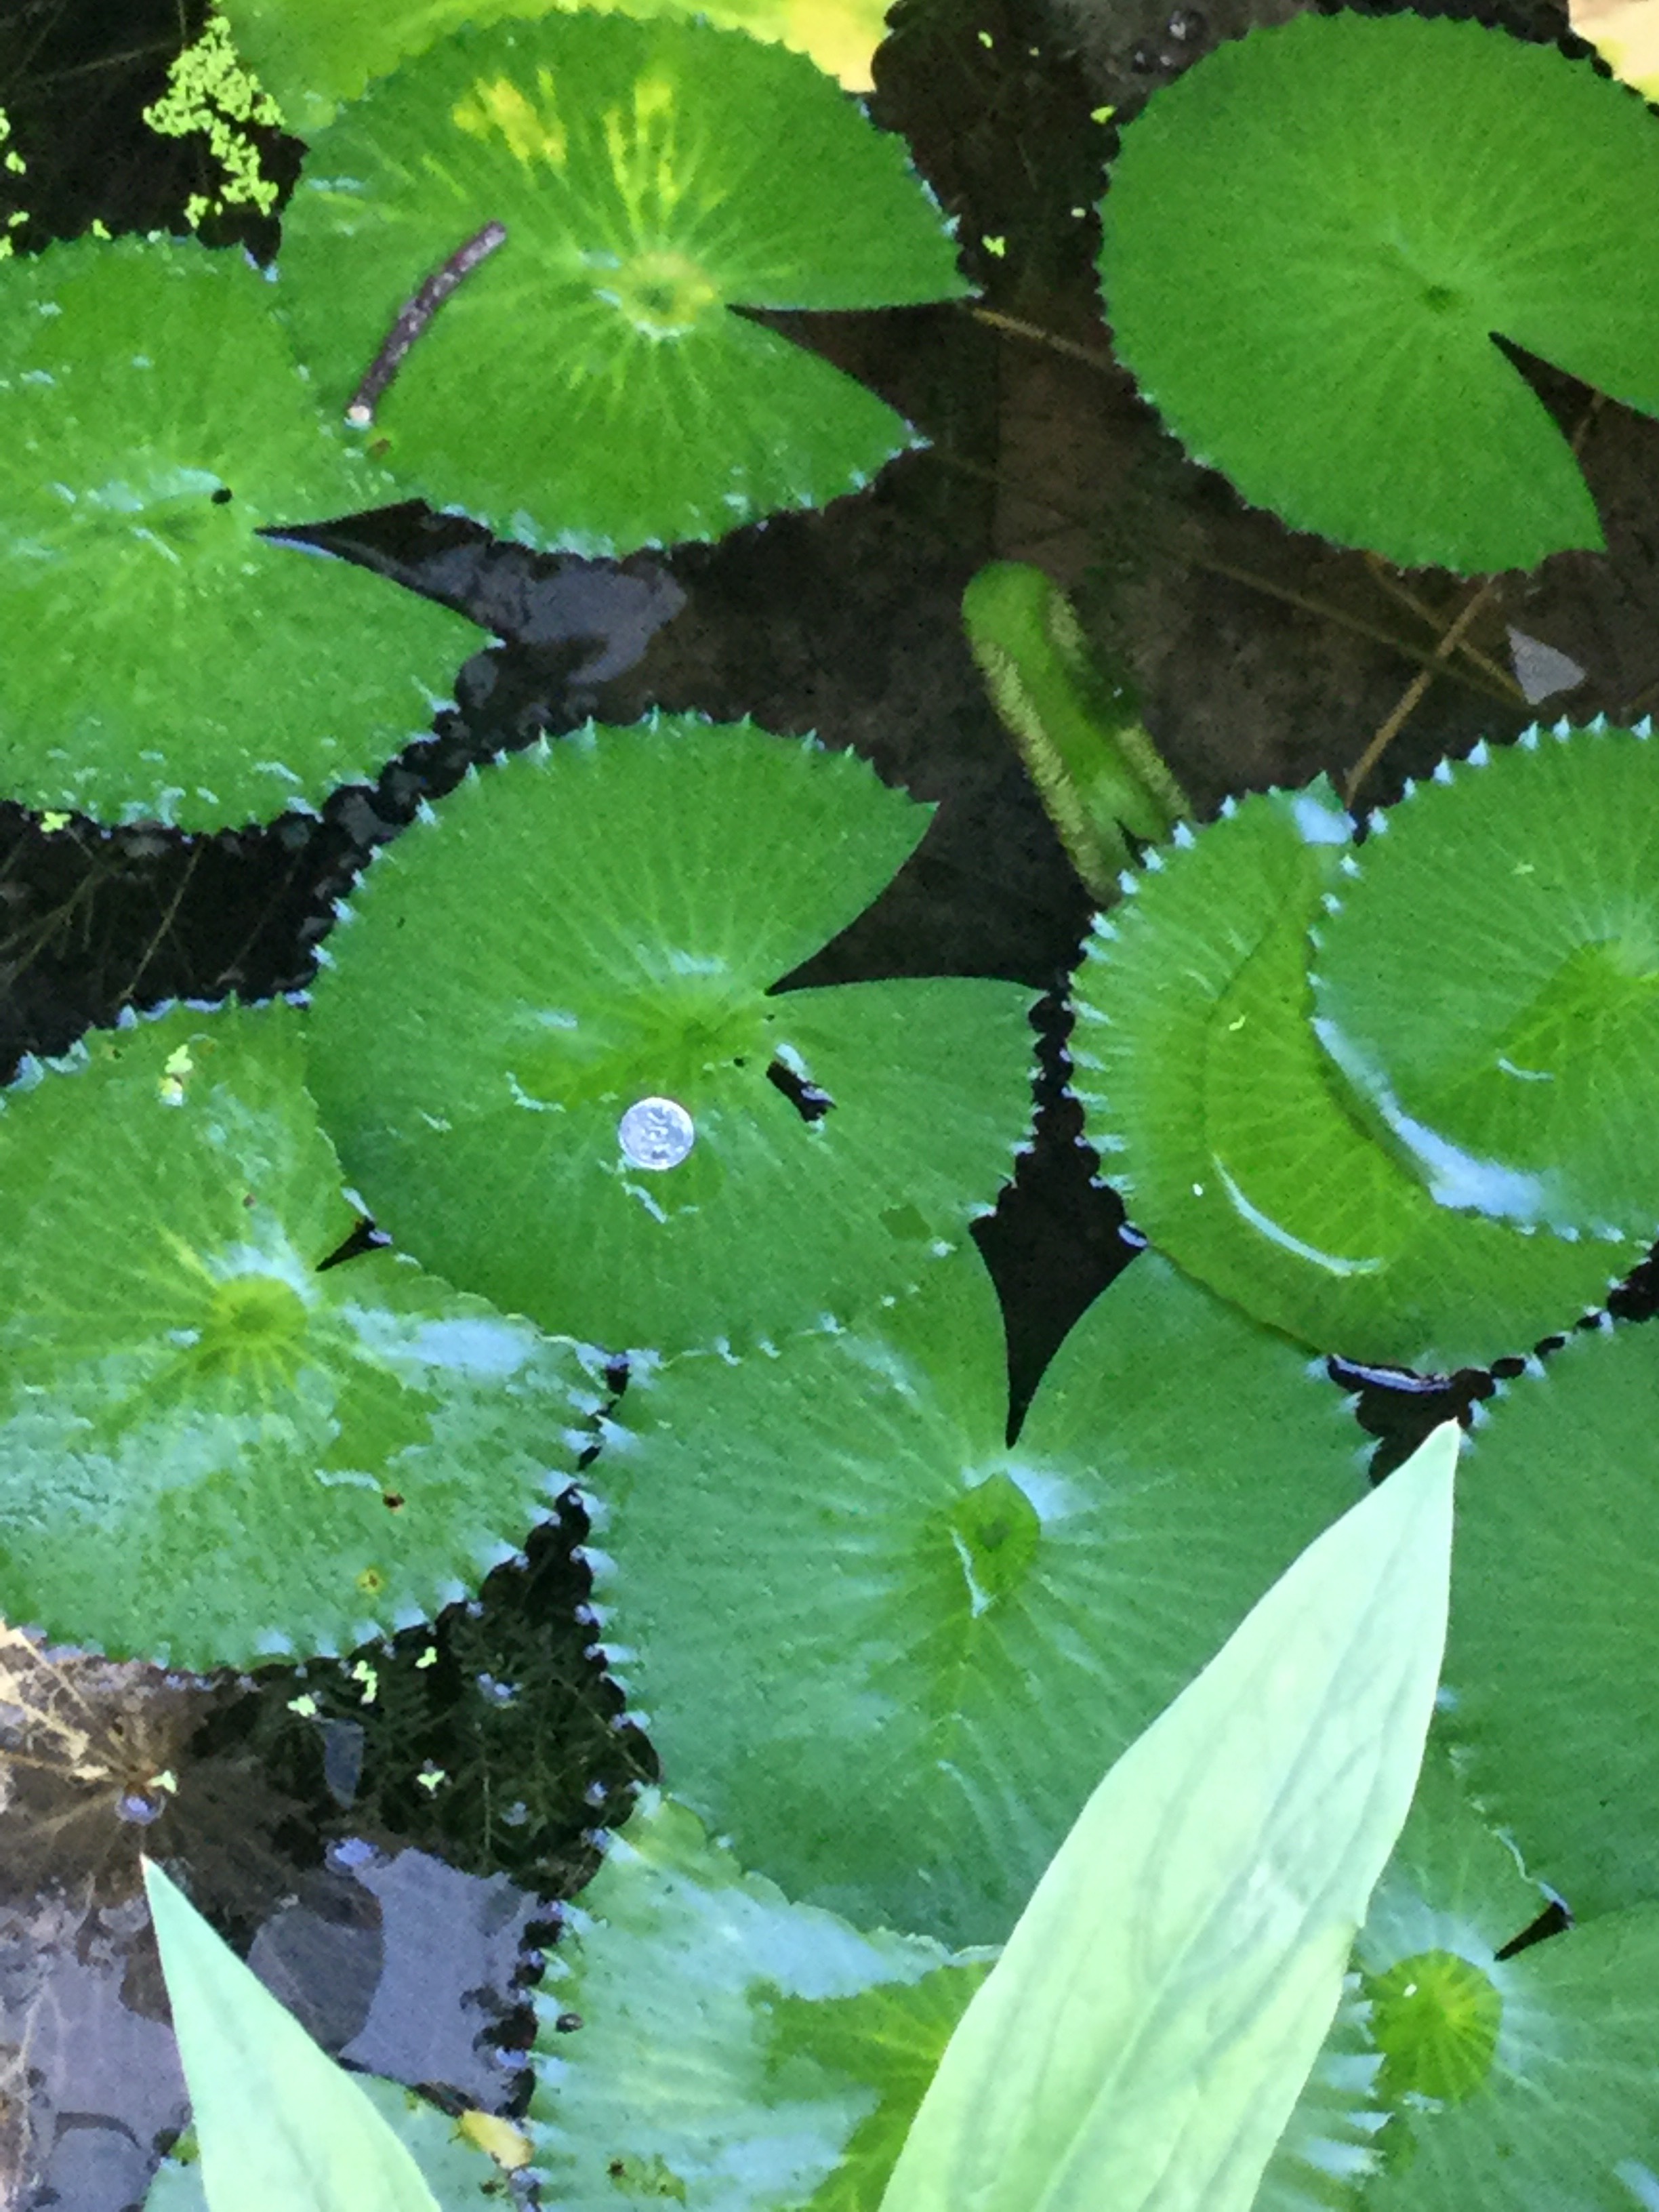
(386,1835)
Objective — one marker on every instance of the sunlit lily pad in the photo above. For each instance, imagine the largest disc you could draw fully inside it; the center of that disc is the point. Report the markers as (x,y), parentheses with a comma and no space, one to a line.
(704,2041)
(545,1046)
(1229,1132)
(313,54)
(1554,1656)
(210,1451)
(585,385)
(949,1640)
(1488,979)
(161,660)
(1310,239)
(1510,2083)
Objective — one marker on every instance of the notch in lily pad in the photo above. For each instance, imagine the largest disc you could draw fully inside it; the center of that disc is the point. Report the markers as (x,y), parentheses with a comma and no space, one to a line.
(181,665)
(212,1449)
(1000,1620)
(546,1041)
(1312,304)
(586,386)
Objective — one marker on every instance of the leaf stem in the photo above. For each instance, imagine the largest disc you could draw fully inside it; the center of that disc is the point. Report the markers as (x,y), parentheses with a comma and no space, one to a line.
(414,316)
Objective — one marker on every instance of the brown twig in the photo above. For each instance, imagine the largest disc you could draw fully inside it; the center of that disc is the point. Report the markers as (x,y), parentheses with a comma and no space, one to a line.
(1419,683)
(1399,589)
(413,316)
(1038,335)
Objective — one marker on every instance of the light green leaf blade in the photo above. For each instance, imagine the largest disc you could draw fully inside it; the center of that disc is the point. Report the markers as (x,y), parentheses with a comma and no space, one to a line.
(586,385)
(280,2127)
(1553,1659)
(463,2177)
(1232,1135)
(1488,981)
(1156,2011)
(211,1451)
(646,887)
(1310,239)
(972,1630)
(161,659)
(704,2040)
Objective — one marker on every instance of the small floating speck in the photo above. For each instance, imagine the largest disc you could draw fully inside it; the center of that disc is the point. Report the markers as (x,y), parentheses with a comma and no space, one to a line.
(656,1133)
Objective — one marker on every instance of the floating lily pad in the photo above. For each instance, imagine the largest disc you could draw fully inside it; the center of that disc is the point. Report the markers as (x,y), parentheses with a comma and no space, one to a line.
(1228,1132)
(163,661)
(585,385)
(1555,1649)
(705,2041)
(209,1451)
(546,1049)
(313,54)
(1515,2082)
(1488,980)
(1311,238)
(889,1656)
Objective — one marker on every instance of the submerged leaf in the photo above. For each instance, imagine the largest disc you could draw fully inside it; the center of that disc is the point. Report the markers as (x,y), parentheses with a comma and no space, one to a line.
(588,385)
(1488,981)
(1144,2036)
(163,661)
(1312,238)
(704,2041)
(210,1451)
(511,1078)
(886,1652)
(1228,1131)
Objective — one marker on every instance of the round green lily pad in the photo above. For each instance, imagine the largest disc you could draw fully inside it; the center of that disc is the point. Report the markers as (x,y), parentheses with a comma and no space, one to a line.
(162,660)
(705,2041)
(891,1656)
(1215,1111)
(1488,979)
(544,1043)
(1554,1653)
(1509,2082)
(209,1451)
(1310,238)
(585,385)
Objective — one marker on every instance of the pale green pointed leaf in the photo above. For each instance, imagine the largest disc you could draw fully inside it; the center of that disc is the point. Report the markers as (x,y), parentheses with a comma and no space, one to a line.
(1488,980)
(1311,238)
(593,926)
(704,2041)
(1233,1135)
(280,2127)
(211,1451)
(1000,1622)
(159,658)
(1145,2035)
(586,385)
